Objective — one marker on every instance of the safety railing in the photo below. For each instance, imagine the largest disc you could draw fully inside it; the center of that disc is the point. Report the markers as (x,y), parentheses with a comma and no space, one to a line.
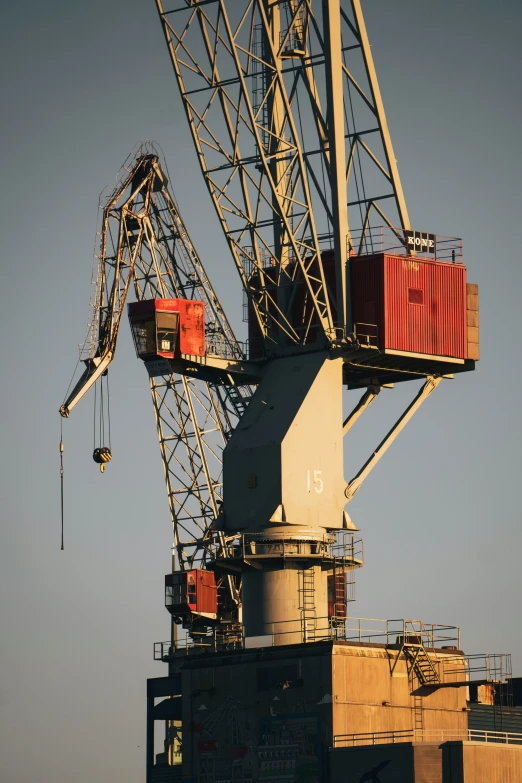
(346,550)
(431,635)
(302,630)
(367,335)
(217,345)
(187,645)
(426,735)
(490,667)
(398,241)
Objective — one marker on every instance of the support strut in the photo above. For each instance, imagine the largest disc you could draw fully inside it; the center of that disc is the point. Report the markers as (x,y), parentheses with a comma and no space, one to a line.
(431,383)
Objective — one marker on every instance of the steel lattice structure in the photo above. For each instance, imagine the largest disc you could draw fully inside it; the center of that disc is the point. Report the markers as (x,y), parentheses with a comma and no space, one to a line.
(144,247)
(254,77)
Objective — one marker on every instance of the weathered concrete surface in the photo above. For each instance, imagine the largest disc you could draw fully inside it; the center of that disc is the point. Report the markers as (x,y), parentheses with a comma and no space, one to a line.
(405,762)
(478,762)
(369,698)
(275,711)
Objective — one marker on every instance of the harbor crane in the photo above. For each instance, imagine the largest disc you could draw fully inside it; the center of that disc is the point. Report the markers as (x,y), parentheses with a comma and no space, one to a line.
(341,293)
(286,115)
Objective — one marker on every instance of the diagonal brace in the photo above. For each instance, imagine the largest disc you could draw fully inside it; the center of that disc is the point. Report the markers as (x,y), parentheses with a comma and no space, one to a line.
(431,383)
(366,400)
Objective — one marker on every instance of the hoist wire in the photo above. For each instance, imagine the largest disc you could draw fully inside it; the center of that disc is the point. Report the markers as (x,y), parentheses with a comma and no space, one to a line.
(108,408)
(102,419)
(101,411)
(71,381)
(94,420)
(61,475)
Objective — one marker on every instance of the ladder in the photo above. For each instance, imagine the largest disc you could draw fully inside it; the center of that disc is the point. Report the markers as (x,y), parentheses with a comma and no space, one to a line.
(418,714)
(308,618)
(239,401)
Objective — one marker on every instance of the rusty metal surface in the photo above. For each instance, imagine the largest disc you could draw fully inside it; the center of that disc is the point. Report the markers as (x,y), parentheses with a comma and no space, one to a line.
(418,306)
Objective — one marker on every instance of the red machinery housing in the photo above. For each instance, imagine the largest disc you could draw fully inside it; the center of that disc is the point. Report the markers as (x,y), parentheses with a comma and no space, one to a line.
(191,592)
(168,328)
(400,303)
(410,304)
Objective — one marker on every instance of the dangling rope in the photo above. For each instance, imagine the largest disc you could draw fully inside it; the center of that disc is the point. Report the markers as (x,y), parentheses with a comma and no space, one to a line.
(61,472)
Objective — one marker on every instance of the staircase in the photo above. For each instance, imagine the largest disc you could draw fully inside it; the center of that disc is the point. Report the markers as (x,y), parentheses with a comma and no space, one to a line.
(238,400)
(420,662)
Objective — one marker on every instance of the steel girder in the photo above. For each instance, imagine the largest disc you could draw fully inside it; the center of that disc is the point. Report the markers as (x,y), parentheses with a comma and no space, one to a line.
(143,244)
(282,172)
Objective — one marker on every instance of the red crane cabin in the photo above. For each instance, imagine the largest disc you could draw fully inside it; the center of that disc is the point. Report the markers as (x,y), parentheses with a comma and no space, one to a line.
(167,328)
(191,592)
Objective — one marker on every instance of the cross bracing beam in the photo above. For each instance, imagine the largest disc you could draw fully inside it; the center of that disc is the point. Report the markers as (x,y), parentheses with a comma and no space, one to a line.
(144,250)
(288,123)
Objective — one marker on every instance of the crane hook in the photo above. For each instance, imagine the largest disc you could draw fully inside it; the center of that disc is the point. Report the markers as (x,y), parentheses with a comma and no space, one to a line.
(101,456)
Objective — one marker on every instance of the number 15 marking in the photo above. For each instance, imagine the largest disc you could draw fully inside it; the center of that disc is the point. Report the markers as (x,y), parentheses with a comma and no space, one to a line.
(317,481)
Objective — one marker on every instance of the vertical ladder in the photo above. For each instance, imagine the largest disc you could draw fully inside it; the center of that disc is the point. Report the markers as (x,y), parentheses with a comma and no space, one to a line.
(418,717)
(308,614)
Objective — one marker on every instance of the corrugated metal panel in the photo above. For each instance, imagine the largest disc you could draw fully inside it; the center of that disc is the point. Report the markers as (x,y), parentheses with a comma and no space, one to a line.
(425,307)
(486,717)
(417,306)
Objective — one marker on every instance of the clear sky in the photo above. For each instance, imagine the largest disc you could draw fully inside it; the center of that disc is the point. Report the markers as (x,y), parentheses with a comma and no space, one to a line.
(440,515)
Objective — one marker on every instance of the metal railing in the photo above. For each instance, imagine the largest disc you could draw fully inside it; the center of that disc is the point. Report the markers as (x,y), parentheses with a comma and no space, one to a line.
(397,241)
(320,629)
(430,635)
(426,735)
(493,667)
(346,551)
(217,345)
(187,645)
(366,335)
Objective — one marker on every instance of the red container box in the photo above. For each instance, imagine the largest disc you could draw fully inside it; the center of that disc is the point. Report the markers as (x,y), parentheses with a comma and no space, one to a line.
(410,305)
(191,592)
(168,328)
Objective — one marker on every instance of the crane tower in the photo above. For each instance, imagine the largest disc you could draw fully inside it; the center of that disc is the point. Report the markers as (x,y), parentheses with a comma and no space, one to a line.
(288,123)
